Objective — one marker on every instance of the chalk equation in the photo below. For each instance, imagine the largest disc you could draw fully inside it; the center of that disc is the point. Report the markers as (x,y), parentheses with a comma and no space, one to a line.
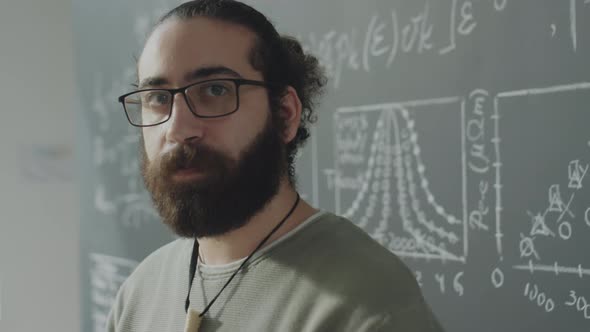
(572,301)
(381,174)
(383,180)
(385,36)
(555,223)
(378,157)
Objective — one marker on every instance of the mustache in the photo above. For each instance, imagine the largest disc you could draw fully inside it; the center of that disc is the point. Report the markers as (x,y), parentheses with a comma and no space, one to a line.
(199,157)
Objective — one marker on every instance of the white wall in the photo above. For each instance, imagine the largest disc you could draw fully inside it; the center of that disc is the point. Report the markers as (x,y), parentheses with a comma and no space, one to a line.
(39,204)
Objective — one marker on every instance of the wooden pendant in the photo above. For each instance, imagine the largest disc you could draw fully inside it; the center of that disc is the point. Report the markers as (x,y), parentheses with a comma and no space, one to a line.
(193,321)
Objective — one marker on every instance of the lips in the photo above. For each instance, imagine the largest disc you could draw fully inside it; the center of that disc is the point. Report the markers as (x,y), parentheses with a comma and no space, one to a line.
(187,173)
(185,164)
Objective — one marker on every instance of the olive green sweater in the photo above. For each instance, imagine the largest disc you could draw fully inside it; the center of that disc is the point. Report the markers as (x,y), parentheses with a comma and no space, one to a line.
(325,275)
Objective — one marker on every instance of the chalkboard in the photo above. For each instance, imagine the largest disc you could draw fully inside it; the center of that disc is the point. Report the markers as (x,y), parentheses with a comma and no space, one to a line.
(454,132)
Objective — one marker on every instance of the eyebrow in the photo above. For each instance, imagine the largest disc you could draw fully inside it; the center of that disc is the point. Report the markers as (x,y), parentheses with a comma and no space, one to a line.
(199,73)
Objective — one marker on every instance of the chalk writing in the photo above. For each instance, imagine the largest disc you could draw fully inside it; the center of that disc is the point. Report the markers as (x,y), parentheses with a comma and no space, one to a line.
(107,273)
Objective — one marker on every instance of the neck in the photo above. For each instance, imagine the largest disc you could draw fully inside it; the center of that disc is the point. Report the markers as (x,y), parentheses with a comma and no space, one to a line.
(240,242)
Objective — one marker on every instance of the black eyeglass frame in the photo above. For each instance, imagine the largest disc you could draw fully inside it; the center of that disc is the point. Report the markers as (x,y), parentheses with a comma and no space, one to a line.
(182,90)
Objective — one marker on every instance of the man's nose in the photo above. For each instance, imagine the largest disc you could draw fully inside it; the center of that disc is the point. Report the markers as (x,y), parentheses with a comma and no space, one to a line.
(183,125)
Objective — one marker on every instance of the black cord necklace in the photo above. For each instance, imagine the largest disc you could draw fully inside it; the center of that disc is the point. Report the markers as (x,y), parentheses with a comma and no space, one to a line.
(195,254)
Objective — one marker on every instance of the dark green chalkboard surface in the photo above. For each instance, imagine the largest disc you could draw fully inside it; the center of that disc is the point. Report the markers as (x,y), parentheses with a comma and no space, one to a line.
(455,132)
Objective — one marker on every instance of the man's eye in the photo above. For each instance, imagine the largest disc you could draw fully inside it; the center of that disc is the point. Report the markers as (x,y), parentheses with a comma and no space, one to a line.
(215,90)
(158,98)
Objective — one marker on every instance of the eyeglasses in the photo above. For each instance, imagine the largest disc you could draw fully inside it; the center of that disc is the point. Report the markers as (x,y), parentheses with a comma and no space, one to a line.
(206,99)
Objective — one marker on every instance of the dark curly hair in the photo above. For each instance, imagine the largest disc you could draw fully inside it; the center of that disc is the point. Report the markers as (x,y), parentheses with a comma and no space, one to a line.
(280,59)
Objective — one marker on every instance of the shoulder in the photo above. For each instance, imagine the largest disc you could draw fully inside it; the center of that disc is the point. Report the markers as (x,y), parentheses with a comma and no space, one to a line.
(167,259)
(160,268)
(344,251)
(351,244)
(348,264)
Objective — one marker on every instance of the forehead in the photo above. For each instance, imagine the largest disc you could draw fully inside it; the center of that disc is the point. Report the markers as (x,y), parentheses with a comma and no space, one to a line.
(177,47)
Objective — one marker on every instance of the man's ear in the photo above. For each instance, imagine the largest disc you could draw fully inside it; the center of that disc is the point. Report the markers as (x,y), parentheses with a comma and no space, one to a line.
(290,113)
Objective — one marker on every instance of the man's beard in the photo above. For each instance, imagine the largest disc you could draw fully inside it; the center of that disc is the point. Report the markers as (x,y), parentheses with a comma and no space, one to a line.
(228,193)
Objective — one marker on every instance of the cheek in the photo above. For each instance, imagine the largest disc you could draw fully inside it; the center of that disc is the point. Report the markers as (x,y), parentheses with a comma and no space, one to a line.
(228,141)
(243,133)
(250,119)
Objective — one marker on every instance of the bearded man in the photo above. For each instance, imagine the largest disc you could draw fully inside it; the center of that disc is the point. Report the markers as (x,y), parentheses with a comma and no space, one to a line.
(224,102)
